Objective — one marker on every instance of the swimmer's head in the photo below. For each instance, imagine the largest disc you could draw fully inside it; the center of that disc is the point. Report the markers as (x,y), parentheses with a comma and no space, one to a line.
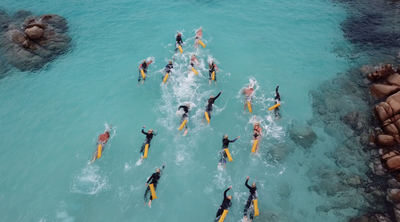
(188,105)
(179,34)
(230,197)
(226,137)
(150,131)
(144,60)
(253,184)
(257,123)
(158,170)
(211,96)
(170,62)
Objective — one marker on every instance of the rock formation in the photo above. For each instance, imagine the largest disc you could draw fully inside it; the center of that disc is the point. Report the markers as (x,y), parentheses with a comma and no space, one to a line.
(29,42)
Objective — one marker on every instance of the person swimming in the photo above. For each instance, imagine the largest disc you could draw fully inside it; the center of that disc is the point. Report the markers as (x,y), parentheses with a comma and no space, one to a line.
(143,66)
(103,138)
(178,41)
(226,204)
(185,115)
(149,137)
(167,69)
(257,133)
(210,103)
(248,92)
(212,68)
(253,195)
(193,60)
(153,179)
(277,101)
(199,35)
(225,145)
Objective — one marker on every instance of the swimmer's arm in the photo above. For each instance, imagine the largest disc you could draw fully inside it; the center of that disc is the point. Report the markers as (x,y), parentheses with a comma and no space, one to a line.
(217,96)
(151,178)
(144,132)
(247,185)
(226,191)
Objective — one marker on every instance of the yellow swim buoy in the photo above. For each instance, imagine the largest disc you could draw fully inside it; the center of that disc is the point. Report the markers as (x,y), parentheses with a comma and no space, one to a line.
(222,218)
(143,75)
(99,151)
(256,211)
(228,154)
(146,151)
(207,117)
(274,106)
(180,49)
(166,77)
(182,125)
(213,76)
(195,71)
(253,150)
(202,44)
(153,192)
(249,106)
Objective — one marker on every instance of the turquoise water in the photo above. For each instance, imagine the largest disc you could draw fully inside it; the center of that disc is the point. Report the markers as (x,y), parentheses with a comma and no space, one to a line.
(50,119)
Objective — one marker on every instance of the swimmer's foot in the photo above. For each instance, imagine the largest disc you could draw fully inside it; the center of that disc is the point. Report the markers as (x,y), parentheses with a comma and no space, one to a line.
(186,131)
(149,203)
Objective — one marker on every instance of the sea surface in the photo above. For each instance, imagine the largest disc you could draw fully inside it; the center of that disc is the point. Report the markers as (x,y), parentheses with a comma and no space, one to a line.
(50,119)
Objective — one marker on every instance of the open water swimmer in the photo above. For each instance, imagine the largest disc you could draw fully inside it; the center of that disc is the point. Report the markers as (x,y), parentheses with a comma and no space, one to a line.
(226,204)
(257,135)
(178,43)
(248,93)
(152,183)
(146,144)
(101,143)
(143,70)
(199,36)
(212,72)
(185,117)
(277,101)
(249,208)
(225,145)
(209,107)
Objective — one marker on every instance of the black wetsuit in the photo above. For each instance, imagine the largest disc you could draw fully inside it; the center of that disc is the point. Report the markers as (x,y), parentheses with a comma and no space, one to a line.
(210,103)
(253,195)
(226,203)
(277,100)
(144,67)
(185,115)
(168,68)
(210,71)
(154,180)
(225,145)
(149,137)
(178,42)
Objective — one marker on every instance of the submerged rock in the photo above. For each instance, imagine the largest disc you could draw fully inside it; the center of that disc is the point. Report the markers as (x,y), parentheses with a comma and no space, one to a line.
(29,42)
(303,136)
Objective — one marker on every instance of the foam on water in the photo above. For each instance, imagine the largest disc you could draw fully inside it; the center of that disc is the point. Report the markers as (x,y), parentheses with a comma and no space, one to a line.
(59,110)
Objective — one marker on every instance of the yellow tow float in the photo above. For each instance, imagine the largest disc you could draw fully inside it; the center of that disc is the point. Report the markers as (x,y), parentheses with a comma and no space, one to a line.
(202,44)
(228,154)
(183,124)
(99,148)
(153,192)
(207,117)
(253,149)
(274,106)
(166,77)
(222,218)
(180,49)
(146,151)
(249,106)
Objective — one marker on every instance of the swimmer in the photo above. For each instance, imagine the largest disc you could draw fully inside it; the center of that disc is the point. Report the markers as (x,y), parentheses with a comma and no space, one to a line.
(149,137)
(212,68)
(153,180)
(193,59)
(257,133)
(225,145)
(185,115)
(178,41)
(253,195)
(103,138)
(199,35)
(226,204)
(210,103)
(143,66)
(167,69)
(248,94)
(277,101)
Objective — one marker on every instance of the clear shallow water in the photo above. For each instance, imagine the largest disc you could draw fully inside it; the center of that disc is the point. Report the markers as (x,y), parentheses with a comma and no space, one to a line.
(51,118)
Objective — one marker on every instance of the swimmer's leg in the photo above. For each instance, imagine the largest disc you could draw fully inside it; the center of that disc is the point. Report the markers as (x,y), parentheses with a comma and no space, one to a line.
(145,194)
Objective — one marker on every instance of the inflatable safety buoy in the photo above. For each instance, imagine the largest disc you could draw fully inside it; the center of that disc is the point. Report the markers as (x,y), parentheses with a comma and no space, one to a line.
(207,117)
(146,151)
(195,71)
(202,44)
(256,211)
(143,75)
(228,154)
(222,218)
(166,77)
(213,76)
(249,106)
(180,49)
(253,150)
(99,151)
(274,106)
(183,124)
(153,192)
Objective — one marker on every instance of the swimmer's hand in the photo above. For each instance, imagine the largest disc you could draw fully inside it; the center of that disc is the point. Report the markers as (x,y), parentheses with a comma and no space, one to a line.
(248,177)
(230,187)
(238,137)
(146,185)
(144,126)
